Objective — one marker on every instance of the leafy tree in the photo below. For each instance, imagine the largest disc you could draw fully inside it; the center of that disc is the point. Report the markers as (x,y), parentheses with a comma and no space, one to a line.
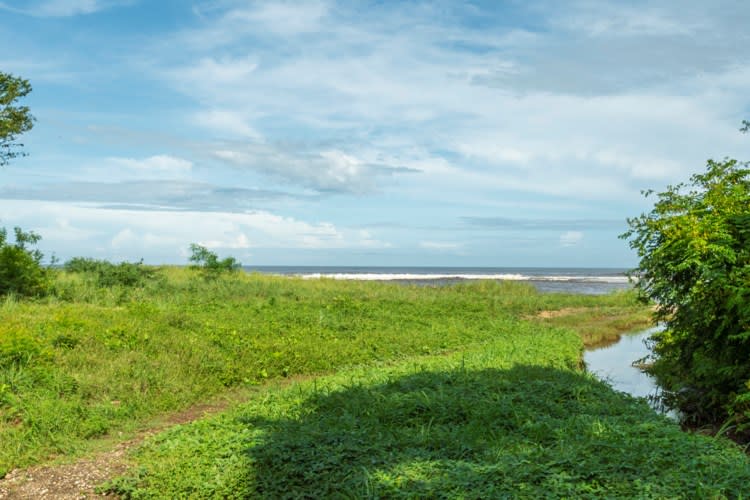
(694,249)
(14,119)
(21,270)
(208,262)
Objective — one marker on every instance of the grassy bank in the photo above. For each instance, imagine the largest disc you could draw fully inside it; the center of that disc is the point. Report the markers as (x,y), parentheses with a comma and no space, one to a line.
(92,360)
(513,418)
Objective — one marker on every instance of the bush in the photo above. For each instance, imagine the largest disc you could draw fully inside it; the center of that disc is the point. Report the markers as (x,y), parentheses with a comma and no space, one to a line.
(21,270)
(208,262)
(694,249)
(107,274)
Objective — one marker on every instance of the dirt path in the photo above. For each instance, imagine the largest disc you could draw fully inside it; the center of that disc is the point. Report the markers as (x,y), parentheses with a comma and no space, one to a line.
(79,479)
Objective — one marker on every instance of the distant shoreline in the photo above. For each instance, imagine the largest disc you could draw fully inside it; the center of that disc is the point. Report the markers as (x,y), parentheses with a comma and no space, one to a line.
(589,281)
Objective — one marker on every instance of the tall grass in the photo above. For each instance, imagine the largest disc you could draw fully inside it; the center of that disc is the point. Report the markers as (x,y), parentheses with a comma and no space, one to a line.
(92,359)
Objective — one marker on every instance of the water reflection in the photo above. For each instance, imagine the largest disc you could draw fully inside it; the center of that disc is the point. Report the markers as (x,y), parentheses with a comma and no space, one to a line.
(613,363)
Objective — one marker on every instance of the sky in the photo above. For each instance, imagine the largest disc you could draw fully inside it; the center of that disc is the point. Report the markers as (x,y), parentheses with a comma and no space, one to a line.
(371,133)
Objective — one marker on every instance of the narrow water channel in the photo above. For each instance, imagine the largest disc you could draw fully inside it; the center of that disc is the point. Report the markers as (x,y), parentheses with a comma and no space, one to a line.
(614,364)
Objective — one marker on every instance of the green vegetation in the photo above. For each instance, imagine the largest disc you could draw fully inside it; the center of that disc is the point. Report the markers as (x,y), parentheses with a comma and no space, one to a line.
(88,360)
(105,274)
(602,324)
(14,119)
(209,264)
(694,248)
(21,270)
(510,418)
(396,390)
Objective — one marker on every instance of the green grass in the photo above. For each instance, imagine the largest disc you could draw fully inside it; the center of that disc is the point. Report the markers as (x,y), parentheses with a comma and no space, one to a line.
(91,361)
(600,325)
(513,418)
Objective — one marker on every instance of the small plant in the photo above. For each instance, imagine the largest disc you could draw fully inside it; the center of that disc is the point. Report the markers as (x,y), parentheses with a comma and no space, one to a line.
(208,262)
(20,349)
(21,270)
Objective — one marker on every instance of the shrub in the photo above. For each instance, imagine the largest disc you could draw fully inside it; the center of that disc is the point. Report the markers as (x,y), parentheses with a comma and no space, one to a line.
(21,270)
(694,248)
(107,274)
(208,262)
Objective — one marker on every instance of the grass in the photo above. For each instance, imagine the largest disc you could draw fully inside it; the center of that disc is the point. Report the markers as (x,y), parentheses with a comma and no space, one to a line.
(513,418)
(600,325)
(92,360)
(415,376)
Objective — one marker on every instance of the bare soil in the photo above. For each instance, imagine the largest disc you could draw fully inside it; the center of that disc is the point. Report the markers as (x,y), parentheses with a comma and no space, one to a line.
(558,313)
(79,479)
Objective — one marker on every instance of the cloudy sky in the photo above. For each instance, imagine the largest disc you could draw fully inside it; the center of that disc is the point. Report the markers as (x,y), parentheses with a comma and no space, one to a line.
(455,133)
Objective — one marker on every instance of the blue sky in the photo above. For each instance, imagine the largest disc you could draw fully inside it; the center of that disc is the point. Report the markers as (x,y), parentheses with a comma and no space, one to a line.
(365,133)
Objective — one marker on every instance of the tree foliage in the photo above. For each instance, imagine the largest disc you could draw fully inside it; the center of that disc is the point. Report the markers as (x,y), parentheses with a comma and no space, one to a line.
(208,262)
(694,250)
(14,119)
(21,270)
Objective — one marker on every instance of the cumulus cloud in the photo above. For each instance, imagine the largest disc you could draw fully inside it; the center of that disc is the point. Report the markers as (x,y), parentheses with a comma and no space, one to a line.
(165,233)
(323,170)
(416,112)
(548,112)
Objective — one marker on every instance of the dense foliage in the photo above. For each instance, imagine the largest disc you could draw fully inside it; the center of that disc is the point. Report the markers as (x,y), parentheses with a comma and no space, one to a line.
(21,270)
(694,249)
(209,264)
(107,274)
(14,119)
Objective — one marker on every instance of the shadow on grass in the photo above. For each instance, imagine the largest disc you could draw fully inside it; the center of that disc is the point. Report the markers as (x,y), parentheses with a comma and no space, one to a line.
(523,432)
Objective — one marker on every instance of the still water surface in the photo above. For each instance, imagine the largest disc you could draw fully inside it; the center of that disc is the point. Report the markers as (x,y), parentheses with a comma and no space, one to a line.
(613,364)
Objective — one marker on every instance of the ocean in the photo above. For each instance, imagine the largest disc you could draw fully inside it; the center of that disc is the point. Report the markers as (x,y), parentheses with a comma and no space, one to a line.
(594,281)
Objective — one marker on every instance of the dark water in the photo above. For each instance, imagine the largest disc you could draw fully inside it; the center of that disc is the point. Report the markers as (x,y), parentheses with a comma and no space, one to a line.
(571,280)
(614,365)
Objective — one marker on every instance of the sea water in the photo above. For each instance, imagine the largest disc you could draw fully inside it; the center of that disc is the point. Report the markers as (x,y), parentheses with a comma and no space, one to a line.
(593,281)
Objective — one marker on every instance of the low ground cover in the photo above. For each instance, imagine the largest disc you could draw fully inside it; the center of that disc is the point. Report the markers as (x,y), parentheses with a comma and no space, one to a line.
(512,418)
(95,358)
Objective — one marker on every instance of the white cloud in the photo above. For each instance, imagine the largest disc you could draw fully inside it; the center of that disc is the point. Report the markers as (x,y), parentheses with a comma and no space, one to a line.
(232,123)
(350,77)
(60,8)
(240,241)
(284,18)
(135,234)
(209,72)
(625,21)
(326,170)
(571,238)
(325,98)
(153,165)
(440,245)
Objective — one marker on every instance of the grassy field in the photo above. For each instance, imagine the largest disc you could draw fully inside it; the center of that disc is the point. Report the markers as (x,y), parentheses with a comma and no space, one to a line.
(90,362)
(513,418)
